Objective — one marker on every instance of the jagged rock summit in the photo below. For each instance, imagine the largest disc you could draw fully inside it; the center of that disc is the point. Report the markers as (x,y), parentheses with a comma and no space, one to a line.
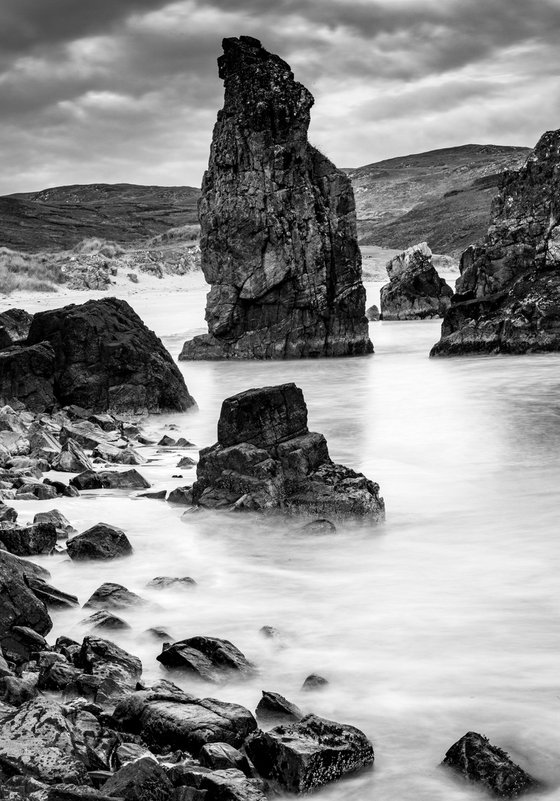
(278,225)
(415,291)
(508,295)
(267,459)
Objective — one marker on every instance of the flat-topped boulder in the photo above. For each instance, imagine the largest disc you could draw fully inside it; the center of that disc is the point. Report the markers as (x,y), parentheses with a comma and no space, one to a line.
(106,359)
(415,291)
(278,225)
(507,298)
(267,459)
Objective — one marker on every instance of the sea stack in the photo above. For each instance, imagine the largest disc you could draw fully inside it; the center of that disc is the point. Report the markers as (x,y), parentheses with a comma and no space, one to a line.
(508,296)
(278,225)
(415,291)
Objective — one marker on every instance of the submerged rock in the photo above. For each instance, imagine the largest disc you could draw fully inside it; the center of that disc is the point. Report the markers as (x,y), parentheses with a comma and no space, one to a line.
(507,299)
(113,596)
(274,707)
(309,754)
(207,658)
(106,359)
(101,541)
(415,290)
(478,761)
(266,458)
(109,479)
(278,225)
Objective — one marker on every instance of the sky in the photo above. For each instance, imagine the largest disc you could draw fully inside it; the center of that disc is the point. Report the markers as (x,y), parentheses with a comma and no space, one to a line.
(109,91)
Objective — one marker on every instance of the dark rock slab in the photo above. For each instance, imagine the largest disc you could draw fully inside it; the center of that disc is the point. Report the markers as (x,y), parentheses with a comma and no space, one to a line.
(106,359)
(109,479)
(477,760)
(30,540)
(14,327)
(142,780)
(274,707)
(19,606)
(37,491)
(314,682)
(62,525)
(182,721)
(104,659)
(7,513)
(415,291)
(306,755)
(278,225)
(51,596)
(228,784)
(101,541)
(27,376)
(113,596)
(181,495)
(71,459)
(163,582)
(222,756)
(507,299)
(207,658)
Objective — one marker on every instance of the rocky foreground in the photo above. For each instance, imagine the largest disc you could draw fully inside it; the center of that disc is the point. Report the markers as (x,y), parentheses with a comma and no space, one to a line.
(278,225)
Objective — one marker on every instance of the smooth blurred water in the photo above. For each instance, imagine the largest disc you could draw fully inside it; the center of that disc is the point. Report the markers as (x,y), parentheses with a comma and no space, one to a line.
(443,620)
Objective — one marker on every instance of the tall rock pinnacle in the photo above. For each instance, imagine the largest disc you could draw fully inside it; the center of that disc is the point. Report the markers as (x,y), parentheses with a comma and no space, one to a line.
(278,225)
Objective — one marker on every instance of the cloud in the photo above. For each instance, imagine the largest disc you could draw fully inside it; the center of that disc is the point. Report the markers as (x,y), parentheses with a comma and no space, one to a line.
(128,90)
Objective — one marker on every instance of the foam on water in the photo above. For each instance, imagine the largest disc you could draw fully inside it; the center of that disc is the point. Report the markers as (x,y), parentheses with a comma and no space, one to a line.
(443,620)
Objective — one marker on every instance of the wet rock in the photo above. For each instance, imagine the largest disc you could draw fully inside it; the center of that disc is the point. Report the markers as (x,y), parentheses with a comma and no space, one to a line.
(130,752)
(181,721)
(22,643)
(57,676)
(163,582)
(7,513)
(42,443)
(507,298)
(85,433)
(26,375)
(75,792)
(415,290)
(104,659)
(166,442)
(14,327)
(105,621)
(18,691)
(278,225)
(270,632)
(480,762)
(18,788)
(106,359)
(274,707)
(266,459)
(215,785)
(37,491)
(113,596)
(159,495)
(110,479)
(306,755)
(181,495)
(62,526)
(319,526)
(314,682)
(207,658)
(143,780)
(111,453)
(61,488)
(101,541)
(71,459)
(372,314)
(222,756)
(106,422)
(37,741)
(51,596)
(18,604)
(185,462)
(29,540)
(159,633)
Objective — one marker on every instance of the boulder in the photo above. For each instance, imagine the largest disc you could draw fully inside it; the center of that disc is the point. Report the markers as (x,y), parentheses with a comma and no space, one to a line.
(182,721)
(203,784)
(101,541)
(163,582)
(104,621)
(142,780)
(274,707)
(221,756)
(372,314)
(278,225)
(106,359)
(507,298)
(104,659)
(181,495)
(27,376)
(58,520)
(267,459)
(49,595)
(71,459)
(22,644)
(34,490)
(109,479)
(14,327)
(306,755)
(37,740)
(7,513)
(207,658)
(314,682)
(415,291)
(29,540)
(474,758)
(19,606)
(112,596)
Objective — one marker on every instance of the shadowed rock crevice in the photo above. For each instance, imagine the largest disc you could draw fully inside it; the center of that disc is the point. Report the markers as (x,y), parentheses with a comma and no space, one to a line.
(278,225)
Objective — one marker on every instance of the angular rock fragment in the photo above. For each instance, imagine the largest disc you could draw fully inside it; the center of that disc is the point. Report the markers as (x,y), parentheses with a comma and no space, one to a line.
(104,659)
(266,459)
(228,784)
(101,541)
(278,225)
(71,459)
(27,376)
(103,621)
(142,780)
(306,755)
(49,595)
(58,520)
(274,707)
(109,479)
(415,290)
(29,540)
(480,762)
(207,658)
(113,596)
(163,582)
(14,327)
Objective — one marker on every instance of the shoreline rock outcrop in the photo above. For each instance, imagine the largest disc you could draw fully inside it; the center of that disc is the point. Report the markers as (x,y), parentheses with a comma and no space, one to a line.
(267,459)
(278,225)
(415,291)
(507,298)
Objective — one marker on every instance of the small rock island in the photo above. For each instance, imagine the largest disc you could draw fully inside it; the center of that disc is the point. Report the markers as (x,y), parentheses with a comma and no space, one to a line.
(278,225)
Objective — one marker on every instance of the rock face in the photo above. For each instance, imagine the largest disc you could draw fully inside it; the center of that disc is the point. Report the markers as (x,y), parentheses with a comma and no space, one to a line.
(508,295)
(106,359)
(278,225)
(308,754)
(14,327)
(26,375)
(477,760)
(415,290)
(266,458)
